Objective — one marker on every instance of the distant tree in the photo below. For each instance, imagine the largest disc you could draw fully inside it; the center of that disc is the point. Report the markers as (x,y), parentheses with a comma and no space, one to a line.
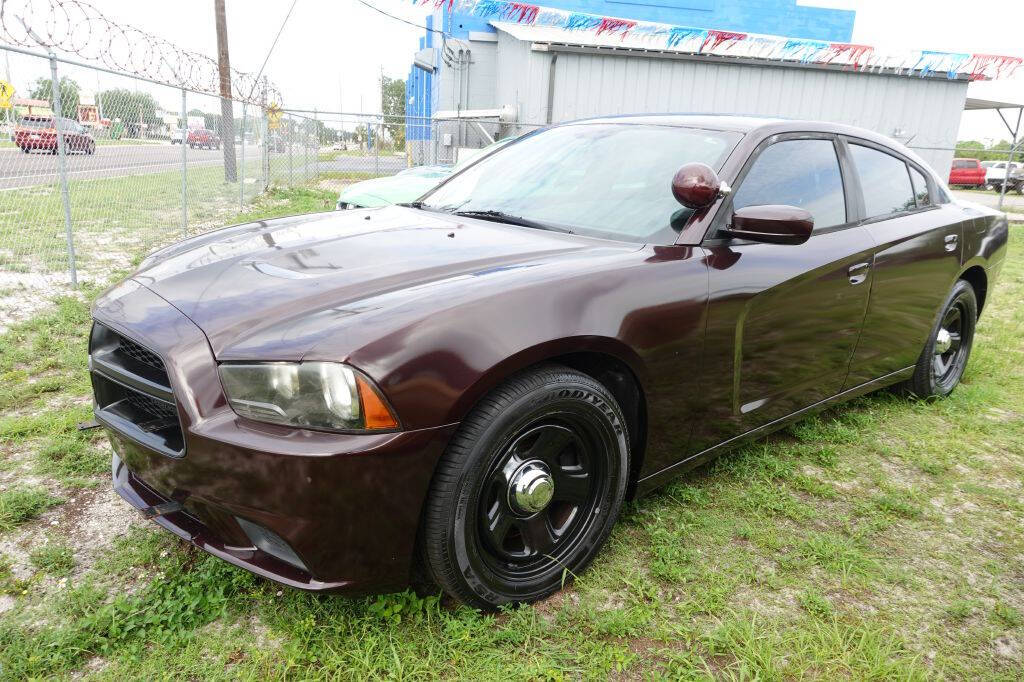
(1001,146)
(972,149)
(393,106)
(212,122)
(969,149)
(129,106)
(43,89)
(359,135)
(133,108)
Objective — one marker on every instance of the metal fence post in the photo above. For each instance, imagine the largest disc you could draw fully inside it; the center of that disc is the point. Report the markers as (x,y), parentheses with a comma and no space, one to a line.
(291,141)
(184,166)
(265,156)
(241,174)
(316,149)
(376,149)
(63,168)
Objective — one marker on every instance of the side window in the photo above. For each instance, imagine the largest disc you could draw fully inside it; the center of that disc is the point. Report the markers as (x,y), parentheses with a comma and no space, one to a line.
(920,187)
(801,173)
(884,180)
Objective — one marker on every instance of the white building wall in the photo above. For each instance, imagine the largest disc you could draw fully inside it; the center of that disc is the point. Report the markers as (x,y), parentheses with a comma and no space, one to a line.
(921,112)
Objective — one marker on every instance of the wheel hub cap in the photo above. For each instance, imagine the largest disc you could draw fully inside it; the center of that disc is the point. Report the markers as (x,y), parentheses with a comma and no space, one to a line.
(943,341)
(531,487)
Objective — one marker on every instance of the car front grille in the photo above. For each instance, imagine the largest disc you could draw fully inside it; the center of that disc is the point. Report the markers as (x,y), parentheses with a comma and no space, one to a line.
(139,353)
(132,391)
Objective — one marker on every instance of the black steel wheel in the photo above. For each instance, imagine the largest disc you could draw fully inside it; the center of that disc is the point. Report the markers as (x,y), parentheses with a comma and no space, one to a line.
(944,358)
(528,489)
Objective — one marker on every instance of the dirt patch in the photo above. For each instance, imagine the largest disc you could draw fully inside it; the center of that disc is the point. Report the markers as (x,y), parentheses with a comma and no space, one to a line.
(1007,647)
(89,522)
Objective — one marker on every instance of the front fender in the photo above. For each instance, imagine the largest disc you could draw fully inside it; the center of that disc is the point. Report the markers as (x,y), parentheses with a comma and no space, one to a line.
(541,352)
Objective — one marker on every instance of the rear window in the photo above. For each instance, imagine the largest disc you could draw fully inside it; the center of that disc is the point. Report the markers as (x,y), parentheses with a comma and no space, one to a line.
(920,187)
(885,181)
(36,122)
(965,164)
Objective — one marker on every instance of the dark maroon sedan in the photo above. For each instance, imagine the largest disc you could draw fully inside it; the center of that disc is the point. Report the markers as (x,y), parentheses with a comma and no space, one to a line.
(475,382)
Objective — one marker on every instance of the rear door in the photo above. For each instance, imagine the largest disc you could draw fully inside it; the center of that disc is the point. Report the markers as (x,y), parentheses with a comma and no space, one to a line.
(916,260)
(784,319)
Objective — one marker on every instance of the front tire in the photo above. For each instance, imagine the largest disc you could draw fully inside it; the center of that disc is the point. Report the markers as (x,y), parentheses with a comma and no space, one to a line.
(528,490)
(945,355)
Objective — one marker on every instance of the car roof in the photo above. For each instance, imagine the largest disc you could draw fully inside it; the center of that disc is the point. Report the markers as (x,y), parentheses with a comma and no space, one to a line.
(763,125)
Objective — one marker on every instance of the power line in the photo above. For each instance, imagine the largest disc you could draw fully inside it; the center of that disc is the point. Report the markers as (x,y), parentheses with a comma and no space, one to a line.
(272,46)
(404,21)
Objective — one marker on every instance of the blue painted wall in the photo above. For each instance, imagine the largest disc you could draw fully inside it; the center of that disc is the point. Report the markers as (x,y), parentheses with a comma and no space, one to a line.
(777,17)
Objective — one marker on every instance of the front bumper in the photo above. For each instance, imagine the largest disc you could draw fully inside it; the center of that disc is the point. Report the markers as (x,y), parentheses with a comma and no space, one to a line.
(341,510)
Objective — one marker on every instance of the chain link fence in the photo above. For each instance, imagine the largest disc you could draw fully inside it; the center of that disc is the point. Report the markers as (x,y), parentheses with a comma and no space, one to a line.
(106,167)
(98,168)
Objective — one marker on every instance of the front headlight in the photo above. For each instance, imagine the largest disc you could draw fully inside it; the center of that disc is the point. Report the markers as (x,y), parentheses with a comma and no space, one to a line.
(316,395)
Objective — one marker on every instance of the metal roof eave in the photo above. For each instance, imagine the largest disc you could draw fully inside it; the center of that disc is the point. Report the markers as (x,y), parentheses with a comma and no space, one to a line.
(581,48)
(977,104)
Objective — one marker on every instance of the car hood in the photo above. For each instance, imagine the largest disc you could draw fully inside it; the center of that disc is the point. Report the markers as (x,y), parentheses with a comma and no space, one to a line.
(273,289)
(385,191)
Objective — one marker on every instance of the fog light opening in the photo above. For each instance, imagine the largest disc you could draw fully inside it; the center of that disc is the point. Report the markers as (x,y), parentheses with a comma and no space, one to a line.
(271,543)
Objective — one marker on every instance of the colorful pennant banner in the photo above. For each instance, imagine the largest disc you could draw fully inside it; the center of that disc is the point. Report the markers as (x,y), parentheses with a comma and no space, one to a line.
(729,43)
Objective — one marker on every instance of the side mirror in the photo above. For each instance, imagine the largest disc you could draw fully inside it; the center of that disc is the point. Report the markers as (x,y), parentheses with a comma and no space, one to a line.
(772,224)
(696,186)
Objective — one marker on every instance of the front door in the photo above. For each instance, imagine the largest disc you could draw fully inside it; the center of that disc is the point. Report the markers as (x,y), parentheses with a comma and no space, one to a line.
(917,258)
(783,320)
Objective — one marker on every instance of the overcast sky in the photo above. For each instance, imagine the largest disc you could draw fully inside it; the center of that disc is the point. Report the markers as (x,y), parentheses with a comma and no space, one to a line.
(332,51)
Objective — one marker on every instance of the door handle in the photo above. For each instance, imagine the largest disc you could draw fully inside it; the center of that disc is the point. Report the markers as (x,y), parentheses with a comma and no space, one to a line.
(950,240)
(858,272)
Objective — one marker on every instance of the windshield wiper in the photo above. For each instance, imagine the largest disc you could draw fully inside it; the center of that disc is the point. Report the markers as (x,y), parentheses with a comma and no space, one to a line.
(500,217)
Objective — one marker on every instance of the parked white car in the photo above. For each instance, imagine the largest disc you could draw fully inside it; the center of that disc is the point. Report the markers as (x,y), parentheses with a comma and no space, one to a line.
(177,135)
(995,174)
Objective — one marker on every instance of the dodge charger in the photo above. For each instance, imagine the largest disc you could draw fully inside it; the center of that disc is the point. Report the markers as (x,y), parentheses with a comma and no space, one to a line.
(466,388)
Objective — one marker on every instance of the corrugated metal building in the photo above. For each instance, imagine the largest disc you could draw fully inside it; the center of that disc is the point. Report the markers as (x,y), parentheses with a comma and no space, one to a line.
(547,80)
(470,84)
(546,74)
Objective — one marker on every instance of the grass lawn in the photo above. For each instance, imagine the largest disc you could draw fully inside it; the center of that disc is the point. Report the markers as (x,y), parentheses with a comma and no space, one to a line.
(879,540)
(110,230)
(332,154)
(993,192)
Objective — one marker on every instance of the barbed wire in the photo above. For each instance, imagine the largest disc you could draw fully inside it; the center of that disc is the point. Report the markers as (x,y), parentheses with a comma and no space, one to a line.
(77,27)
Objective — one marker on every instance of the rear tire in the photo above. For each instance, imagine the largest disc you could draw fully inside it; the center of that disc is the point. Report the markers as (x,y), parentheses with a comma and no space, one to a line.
(948,349)
(528,489)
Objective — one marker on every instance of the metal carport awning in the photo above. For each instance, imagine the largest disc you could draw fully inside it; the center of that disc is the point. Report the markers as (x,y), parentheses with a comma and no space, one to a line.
(976,104)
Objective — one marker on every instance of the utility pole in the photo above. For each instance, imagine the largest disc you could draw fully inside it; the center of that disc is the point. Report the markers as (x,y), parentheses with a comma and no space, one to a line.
(227,114)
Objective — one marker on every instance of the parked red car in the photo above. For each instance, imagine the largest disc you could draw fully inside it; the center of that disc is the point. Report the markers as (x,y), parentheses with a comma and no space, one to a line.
(201,137)
(473,383)
(967,172)
(38,132)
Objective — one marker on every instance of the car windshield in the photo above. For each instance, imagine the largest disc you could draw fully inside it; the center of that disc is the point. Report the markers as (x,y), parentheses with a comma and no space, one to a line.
(608,180)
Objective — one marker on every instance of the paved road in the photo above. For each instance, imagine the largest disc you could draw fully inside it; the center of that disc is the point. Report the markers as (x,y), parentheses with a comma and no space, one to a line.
(1013,203)
(18,169)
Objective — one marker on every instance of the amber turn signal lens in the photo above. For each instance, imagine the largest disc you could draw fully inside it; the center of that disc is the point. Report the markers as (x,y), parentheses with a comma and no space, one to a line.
(376,414)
